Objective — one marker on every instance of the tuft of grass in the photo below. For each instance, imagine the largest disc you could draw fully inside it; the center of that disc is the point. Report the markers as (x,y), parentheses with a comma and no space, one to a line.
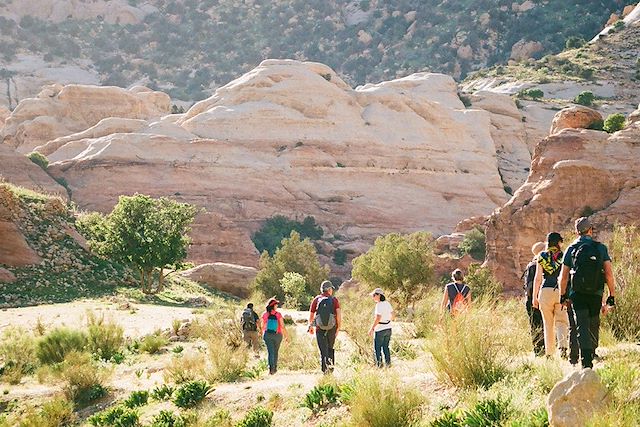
(54,346)
(167,419)
(191,393)
(489,412)
(322,396)
(187,367)
(18,352)
(299,353)
(53,413)
(257,417)
(225,364)
(84,379)
(105,339)
(162,392)
(136,398)
(118,416)
(153,343)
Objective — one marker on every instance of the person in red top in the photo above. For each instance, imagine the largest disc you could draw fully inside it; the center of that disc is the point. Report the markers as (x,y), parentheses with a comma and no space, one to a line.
(274,330)
(325,319)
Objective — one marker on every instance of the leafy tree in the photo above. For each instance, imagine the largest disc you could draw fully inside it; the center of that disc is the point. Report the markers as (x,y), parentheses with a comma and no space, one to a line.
(473,244)
(585,98)
(295,290)
(294,256)
(482,283)
(145,233)
(401,263)
(531,93)
(614,122)
(575,42)
(276,228)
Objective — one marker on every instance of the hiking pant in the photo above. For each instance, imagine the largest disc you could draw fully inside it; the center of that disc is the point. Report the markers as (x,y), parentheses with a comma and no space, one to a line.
(273,342)
(554,320)
(252,339)
(574,347)
(535,321)
(586,311)
(381,345)
(326,341)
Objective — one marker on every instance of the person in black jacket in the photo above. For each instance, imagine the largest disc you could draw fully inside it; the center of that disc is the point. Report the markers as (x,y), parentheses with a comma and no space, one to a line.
(535,317)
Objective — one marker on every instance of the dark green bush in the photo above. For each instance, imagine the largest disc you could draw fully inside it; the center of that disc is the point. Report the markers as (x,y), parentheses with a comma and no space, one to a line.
(614,122)
(136,398)
(575,42)
(257,417)
(162,392)
(585,98)
(533,93)
(269,237)
(53,347)
(191,393)
(597,125)
(116,416)
(339,256)
(473,244)
(39,159)
(490,412)
(321,397)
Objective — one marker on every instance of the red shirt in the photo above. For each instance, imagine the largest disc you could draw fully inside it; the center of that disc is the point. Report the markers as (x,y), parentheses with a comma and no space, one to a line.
(314,303)
(265,318)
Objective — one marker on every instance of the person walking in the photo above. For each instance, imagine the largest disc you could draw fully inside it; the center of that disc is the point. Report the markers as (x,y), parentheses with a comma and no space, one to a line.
(325,319)
(251,327)
(383,315)
(535,317)
(274,331)
(586,268)
(546,296)
(457,294)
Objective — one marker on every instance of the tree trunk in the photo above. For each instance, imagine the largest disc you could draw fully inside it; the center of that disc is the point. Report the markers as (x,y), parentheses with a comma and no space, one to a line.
(160,280)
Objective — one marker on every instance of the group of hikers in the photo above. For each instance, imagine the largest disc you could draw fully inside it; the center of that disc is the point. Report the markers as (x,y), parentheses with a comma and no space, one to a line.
(564,298)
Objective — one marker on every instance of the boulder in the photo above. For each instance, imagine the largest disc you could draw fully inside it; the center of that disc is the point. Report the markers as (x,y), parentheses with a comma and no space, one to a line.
(574,400)
(6,276)
(575,117)
(14,249)
(230,278)
(525,49)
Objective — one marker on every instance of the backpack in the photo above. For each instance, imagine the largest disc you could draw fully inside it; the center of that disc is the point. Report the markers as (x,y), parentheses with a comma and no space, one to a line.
(588,263)
(528,276)
(325,317)
(459,303)
(249,320)
(272,324)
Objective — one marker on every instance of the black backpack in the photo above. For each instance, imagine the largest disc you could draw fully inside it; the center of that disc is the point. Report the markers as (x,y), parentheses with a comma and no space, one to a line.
(249,320)
(587,271)
(325,317)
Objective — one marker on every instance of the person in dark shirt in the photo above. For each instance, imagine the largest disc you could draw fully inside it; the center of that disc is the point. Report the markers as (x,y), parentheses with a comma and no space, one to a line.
(325,319)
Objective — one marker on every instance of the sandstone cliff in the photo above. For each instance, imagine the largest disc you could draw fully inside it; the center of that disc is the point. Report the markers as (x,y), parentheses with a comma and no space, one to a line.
(292,138)
(574,172)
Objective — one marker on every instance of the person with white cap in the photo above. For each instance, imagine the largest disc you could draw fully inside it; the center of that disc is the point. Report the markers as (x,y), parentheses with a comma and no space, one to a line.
(325,319)
(383,315)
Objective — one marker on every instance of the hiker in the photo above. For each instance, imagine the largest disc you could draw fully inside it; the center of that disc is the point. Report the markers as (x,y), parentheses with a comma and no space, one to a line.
(457,295)
(535,317)
(251,327)
(325,319)
(546,296)
(274,330)
(586,266)
(382,316)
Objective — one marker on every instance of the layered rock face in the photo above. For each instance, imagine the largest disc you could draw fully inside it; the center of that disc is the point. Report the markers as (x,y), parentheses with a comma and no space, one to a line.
(574,172)
(19,170)
(58,111)
(234,279)
(292,138)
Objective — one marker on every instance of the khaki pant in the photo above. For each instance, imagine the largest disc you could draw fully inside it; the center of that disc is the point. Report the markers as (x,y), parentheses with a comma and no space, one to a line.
(554,319)
(252,338)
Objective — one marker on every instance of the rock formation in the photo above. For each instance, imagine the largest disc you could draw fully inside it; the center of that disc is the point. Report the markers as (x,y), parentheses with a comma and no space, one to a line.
(292,138)
(14,249)
(59,111)
(19,170)
(575,399)
(230,278)
(574,172)
(576,117)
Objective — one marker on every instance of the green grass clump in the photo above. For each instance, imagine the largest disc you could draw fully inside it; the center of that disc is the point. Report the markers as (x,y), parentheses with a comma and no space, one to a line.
(191,393)
(136,398)
(321,397)
(116,416)
(105,339)
(167,419)
(84,379)
(257,417)
(225,363)
(18,351)
(54,413)
(153,343)
(162,392)
(54,346)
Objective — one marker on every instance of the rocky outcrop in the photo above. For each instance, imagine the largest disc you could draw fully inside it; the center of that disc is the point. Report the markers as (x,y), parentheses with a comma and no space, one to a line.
(575,399)
(576,117)
(525,49)
(230,278)
(292,138)
(19,170)
(6,276)
(14,249)
(59,111)
(574,172)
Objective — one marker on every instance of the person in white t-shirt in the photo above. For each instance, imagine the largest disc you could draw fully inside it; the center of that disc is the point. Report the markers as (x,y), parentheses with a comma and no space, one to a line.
(382,317)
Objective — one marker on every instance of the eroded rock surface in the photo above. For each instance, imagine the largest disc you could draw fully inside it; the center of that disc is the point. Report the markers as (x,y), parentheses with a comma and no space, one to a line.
(230,278)
(576,117)
(575,399)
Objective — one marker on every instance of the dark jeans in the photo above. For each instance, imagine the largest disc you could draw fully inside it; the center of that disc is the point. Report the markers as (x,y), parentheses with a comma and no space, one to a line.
(586,311)
(326,341)
(574,347)
(535,321)
(381,344)
(273,342)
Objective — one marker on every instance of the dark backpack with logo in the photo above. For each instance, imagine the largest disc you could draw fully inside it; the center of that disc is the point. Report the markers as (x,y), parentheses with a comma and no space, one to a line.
(249,320)
(587,271)
(325,313)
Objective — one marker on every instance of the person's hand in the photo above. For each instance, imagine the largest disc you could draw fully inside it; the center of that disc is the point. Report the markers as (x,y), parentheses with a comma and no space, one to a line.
(371,332)
(536,303)
(310,329)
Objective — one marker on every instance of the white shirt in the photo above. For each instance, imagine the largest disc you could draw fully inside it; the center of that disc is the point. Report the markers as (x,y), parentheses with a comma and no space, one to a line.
(384,309)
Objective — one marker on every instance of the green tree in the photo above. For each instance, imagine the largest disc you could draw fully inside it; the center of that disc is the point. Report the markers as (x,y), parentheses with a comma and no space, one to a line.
(473,244)
(402,264)
(585,98)
(145,233)
(614,122)
(278,227)
(294,256)
(482,283)
(295,290)
(575,42)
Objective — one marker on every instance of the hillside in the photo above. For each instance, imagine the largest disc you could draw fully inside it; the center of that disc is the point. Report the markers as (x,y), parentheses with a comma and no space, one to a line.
(189,48)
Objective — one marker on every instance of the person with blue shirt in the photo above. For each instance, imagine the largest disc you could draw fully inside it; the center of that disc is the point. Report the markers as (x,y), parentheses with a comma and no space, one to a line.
(587,300)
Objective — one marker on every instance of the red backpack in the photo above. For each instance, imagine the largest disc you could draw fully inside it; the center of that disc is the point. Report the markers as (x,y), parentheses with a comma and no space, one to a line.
(459,303)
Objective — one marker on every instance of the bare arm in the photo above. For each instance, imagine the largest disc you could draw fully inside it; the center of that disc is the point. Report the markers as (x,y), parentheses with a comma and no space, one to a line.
(564,279)
(444,300)
(376,321)
(537,281)
(608,276)
(338,320)
(284,330)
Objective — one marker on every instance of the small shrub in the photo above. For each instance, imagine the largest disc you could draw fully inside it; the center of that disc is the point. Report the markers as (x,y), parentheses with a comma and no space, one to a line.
(136,398)
(226,364)
(585,98)
(447,419)
(426,315)
(257,417)
(490,412)
(339,256)
(482,283)
(83,378)
(295,290)
(39,159)
(53,347)
(116,416)
(162,392)
(619,25)
(614,122)
(153,343)
(105,339)
(53,413)
(321,397)
(223,327)
(597,125)
(473,244)
(532,93)
(466,101)
(189,367)
(18,351)
(191,393)
(575,42)
(376,402)
(403,349)
(177,349)
(220,418)
(167,419)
